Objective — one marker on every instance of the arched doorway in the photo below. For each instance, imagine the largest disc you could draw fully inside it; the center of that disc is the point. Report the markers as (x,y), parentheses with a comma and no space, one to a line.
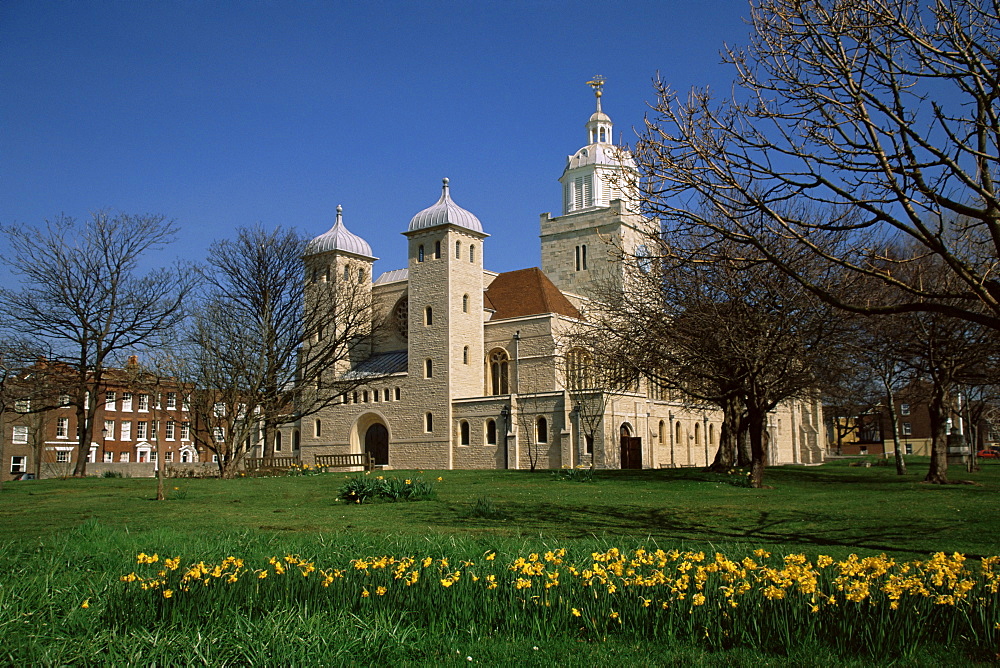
(377,444)
(631,449)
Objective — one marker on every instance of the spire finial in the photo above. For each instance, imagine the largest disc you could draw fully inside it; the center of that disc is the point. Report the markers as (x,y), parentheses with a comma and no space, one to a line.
(444,187)
(340,215)
(597,83)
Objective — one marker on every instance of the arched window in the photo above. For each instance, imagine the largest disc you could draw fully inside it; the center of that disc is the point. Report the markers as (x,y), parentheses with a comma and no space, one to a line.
(347,272)
(464,437)
(420,253)
(589,440)
(318,428)
(697,434)
(458,250)
(428,368)
(277,441)
(361,275)
(428,422)
(662,433)
(677,434)
(579,369)
(711,434)
(499,372)
(428,316)
(465,355)
(437,250)
(472,252)
(542,430)
(465,303)
(364,396)
(399,393)
(386,394)
(491,432)
(295,440)
(326,275)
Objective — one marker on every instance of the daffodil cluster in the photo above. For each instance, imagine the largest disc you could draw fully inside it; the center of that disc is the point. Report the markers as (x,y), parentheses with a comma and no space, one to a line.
(757,599)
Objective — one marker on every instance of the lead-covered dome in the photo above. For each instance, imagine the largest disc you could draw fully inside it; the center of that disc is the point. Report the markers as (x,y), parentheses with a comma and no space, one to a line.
(445,212)
(338,238)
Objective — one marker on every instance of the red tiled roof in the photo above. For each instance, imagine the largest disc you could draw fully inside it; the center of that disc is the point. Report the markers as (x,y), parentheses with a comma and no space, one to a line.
(524,292)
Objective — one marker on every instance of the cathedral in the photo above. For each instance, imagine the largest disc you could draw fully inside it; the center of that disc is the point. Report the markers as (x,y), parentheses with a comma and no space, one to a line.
(478,368)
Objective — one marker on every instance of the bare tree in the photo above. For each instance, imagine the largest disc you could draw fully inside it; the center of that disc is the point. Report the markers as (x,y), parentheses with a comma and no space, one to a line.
(82,295)
(266,348)
(950,353)
(883,112)
(879,355)
(721,327)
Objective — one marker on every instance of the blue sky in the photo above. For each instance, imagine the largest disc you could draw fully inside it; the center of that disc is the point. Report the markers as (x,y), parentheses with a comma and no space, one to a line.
(224,114)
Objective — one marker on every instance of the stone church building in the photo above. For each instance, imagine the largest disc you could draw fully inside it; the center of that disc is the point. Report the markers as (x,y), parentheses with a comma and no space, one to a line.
(478,371)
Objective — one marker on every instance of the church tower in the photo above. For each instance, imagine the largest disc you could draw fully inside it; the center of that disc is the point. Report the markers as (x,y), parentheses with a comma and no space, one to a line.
(445,296)
(598,218)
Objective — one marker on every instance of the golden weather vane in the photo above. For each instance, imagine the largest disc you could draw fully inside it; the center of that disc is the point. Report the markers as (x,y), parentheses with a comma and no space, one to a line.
(597,83)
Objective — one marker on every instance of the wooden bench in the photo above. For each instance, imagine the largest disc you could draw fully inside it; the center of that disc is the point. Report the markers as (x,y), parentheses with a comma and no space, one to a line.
(362,459)
(279,463)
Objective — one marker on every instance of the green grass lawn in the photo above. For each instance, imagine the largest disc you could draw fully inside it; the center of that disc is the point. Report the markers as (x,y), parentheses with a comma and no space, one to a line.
(66,541)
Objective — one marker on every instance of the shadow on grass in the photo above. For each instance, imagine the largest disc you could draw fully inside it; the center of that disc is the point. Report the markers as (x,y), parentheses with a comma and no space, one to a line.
(763,527)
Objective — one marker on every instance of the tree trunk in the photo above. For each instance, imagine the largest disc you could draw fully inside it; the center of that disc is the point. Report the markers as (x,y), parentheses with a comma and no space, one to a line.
(938,472)
(744,455)
(84,414)
(725,456)
(757,423)
(161,495)
(894,425)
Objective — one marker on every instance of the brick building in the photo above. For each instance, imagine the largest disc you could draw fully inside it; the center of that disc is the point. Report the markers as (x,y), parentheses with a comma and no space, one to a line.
(132,417)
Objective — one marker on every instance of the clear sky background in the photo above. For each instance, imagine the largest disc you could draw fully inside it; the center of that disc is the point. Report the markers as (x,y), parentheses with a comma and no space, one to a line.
(223,114)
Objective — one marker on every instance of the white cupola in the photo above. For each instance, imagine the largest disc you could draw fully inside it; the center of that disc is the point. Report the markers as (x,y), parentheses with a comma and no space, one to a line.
(598,172)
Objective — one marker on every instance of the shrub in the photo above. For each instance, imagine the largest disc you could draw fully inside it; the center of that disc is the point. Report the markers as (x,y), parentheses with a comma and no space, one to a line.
(486,509)
(578,474)
(364,488)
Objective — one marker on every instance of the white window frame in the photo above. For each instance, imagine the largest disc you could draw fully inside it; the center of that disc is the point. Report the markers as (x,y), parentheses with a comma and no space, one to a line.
(20,434)
(126,430)
(169,430)
(18,464)
(141,430)
(127,401)
(143,403)
(62,427)
(110,400)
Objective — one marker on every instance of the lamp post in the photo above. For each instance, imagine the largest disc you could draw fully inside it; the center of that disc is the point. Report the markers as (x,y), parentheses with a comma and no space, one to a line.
(104,443)
(575,418)
(704,437)
(505,418)
(670,430)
